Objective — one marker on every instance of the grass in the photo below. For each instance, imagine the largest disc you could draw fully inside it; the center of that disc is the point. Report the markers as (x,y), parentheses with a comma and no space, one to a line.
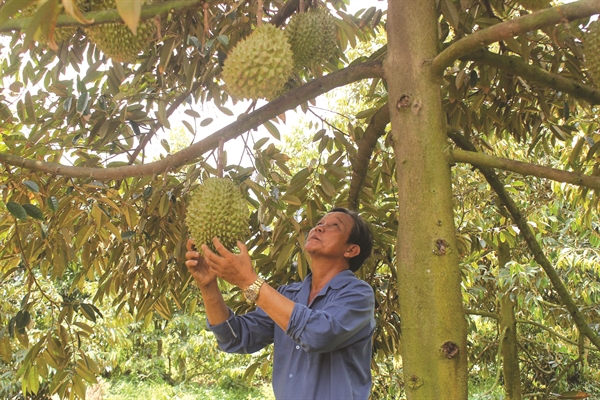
(124,389)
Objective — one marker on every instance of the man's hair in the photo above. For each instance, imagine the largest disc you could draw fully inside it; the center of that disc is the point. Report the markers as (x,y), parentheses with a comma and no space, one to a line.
(360,235)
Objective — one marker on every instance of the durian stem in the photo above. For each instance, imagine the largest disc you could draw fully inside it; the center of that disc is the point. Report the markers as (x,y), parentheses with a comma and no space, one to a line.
(206,30)
(259,12)
(220,157)
(301,6)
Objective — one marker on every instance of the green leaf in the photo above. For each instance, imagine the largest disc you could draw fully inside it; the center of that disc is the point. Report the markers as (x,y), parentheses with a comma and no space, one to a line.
(225,110)
(223,39)
(32,186)
(260,142)
(82,102)
(52,203)
(189,127)
(272,130)
(33,211)
(88,312)
(72,9)
(130,11)
(206,122)
(22,320)
(11,7)
(291,199)
(192,113)
(161,114)
(165,144)
(16,210)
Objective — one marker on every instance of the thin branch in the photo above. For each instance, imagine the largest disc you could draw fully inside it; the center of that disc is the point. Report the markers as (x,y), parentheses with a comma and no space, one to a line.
(529,237)
(552,332)
(515,27)
(487,314)
(560,376)
(480,355)
(287,10)
(30,271)
(524,321)
(101,17)
(498,368)
(533,361)
(360,163)
(478,159)
(519,67)
(244,123)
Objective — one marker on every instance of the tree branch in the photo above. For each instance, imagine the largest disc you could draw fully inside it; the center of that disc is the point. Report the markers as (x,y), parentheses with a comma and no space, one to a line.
(287,10)
(101,17)
(519,67)
(484,160)
(535,248)
(526,322)
(360,163)
(245,122)
(515,27)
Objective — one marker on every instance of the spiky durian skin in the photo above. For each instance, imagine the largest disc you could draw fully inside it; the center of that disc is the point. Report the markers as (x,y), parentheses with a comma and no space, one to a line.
(216,208)
(534,5)
(258,66)
(115,39)
(591,51)
(60,34)
(312,36)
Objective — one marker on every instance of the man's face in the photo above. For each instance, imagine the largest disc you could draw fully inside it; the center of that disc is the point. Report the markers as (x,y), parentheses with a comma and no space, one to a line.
(330,236)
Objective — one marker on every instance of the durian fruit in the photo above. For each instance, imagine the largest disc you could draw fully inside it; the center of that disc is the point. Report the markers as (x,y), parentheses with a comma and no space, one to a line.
(115,39)
(60,34)
(534,5)
(591,51)
(312,36)
(216,208)
(258,66)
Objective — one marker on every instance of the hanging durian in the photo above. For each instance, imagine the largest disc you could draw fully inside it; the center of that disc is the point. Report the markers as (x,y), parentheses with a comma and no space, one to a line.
(312,36)
(115,39)
(216,208)
(60,33)
(258,66)
(591,51)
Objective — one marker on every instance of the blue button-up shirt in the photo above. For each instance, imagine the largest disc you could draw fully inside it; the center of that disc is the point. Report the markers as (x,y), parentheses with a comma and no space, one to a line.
(325,353)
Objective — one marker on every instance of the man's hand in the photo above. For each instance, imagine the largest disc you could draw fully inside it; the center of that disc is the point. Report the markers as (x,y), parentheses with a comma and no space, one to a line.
(196,264)
(234,268)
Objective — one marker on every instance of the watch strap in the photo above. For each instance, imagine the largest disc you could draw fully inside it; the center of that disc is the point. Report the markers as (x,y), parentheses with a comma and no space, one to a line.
(251,293)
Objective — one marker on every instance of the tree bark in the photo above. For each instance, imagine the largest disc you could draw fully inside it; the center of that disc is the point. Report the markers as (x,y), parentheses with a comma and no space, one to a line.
(508,324)
(434,327)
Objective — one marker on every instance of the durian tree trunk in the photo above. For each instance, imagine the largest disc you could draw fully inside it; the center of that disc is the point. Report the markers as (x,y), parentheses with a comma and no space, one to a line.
(434,328)
(508,324)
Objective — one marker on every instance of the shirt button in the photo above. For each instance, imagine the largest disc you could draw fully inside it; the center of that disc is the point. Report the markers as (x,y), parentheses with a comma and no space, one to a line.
(291,375)
(297,347)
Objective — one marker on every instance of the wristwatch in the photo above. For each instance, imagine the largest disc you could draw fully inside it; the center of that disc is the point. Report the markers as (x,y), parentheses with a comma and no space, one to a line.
(251,294)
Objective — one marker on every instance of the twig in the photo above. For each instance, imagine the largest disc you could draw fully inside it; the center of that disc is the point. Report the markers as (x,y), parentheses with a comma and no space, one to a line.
(559,377)
(498,369)
(515,27)
(529,237)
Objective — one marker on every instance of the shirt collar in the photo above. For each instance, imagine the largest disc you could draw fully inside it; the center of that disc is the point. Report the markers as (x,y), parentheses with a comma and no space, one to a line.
(337,282)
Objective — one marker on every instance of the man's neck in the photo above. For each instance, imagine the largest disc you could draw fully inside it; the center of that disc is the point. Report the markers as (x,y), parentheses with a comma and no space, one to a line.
(322,273)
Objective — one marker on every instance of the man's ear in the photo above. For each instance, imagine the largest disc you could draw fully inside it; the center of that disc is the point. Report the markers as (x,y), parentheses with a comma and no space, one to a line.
(352,251)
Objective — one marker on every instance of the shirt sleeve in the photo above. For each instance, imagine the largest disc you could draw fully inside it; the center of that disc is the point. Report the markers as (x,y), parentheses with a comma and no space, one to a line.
(244,334)
(346,318)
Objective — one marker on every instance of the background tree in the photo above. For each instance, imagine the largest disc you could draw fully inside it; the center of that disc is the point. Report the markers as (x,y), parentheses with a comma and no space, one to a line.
(90,221)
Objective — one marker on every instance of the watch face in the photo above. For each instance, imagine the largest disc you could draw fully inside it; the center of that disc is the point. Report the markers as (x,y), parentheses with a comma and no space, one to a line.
(250,295)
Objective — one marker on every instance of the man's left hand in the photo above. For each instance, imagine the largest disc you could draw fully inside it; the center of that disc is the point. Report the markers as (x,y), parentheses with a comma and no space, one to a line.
(234,268)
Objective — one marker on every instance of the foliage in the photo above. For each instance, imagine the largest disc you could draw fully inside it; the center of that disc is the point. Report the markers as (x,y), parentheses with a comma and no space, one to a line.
(91,223)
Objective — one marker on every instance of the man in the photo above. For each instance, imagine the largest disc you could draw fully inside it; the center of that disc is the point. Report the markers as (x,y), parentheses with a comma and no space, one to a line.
(321,328)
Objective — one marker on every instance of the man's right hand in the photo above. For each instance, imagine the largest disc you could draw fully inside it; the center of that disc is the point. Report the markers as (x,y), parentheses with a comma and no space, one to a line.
(198,267)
